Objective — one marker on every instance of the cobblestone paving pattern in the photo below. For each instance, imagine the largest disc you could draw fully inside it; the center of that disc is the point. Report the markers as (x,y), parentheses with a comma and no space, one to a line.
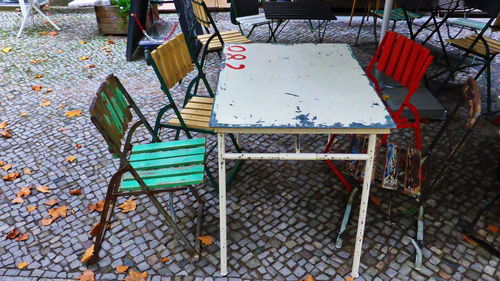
(283,216)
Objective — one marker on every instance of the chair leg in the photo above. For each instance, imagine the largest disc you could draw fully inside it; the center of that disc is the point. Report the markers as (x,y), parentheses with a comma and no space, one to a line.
(107,212)
(171,206)
(345,219)
(199,217)
(375,28)
(488,87)
(359,30)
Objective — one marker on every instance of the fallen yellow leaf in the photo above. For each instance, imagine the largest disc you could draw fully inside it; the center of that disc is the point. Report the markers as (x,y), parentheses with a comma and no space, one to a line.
(73,113)
(43,189)
(27,171)
(23,114)
(84,58)
(17,200)
(128,206)
(36,88)
(11,176)
(6,167)
(70,159)
(6,50)
(31,208)
(385,97)
(22,265)
(206,240)
(3,125)
(58,212)
(25,191)
(6,133)
(45,103)
(47,221)
(87,256)
(82,42)
(121,268)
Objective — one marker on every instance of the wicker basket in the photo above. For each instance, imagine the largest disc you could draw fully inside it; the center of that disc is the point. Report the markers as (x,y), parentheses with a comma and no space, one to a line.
(109,21)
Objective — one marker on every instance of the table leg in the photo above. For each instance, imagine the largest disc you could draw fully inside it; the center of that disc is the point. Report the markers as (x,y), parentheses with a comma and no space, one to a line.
(365,193)
(222,203)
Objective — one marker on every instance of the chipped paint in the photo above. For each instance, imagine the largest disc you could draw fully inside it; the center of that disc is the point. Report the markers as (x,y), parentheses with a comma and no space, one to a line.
(297,86)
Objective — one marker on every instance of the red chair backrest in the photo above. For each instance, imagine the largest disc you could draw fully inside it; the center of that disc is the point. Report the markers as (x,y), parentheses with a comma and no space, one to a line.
(402,59)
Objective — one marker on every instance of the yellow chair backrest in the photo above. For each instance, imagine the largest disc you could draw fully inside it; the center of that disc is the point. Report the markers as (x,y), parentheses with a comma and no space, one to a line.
(172,60)
(496,24)
(200,12)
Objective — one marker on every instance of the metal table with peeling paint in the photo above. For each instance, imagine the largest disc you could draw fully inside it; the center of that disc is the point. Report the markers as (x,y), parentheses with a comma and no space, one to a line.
(295,89)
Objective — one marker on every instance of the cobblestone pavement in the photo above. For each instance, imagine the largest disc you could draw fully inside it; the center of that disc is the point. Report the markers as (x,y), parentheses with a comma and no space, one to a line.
(283,216)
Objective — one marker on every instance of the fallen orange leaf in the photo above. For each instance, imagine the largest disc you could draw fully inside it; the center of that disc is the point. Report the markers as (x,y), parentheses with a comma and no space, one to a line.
(31,208)
(38,76)
(75,192)
(90,66)
(121,268)
(53,33)
(11,176)
(128,206)
(22,265)
(12,234)
(6,167)
(309,278)
(136,276)
(17,200)
(493,228)
(87,275)
(47,221)
(51,202)
(58,212)
(206,240)
(94,230)
(71,158)
(27,171)
(36,88)
(82,42)
(25,191)
(78,146)
(3,125)
(111,42)
(23,237)
(45,103)
(84,58)
(73,113)
(349,279)
(6,133)
(98,206)
(469,240)
(88,254)
(59,51)
(43,189)
(165,259)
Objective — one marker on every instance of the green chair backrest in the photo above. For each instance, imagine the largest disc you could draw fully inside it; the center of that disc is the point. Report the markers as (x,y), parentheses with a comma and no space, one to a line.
(110,113)
(172,61)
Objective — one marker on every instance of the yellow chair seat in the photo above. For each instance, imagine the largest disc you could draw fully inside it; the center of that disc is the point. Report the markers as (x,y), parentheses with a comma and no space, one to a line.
(196,113)
(479,49)
(232,36)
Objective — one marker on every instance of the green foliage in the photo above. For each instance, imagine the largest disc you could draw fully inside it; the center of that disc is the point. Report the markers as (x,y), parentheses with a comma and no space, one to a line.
(123,5)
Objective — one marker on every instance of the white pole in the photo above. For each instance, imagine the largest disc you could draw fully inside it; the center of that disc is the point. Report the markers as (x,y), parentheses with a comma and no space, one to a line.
(365,194)
(387,19)
(222,204)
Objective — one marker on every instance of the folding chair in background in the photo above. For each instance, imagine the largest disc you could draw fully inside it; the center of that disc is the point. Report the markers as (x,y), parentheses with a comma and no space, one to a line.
(212,41)
(252,17)
(172,63)
(145,169)
(397,14)
(482,47)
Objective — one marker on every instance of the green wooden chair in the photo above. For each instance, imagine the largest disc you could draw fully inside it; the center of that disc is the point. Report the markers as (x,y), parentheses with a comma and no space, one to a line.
(145,169)
(172,62)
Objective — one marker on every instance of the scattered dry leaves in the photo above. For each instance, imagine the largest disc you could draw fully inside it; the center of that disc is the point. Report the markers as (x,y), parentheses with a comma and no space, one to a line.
(88,254)
(75,192)
(59,51)
(121,268)
(469,240)
(27,171)
(111,42)
(25,191)
(49,90)
(61,106)
(6,133)
(36,87)
(82,42)
(94,230)
(98,206)
(385,97)
(47,221)
(12,234)
(84,58)
(493,228)
(43,189)
(58,212)
(206,240)
(6,167)
(23,114)
(38,76)
(128,206)
(71,158)
(53,33)
(23,237)
(3,125)
(6,50)
(17,200)
(73,113)
(78,146)
(165,259)
(349,279)
(22,265)
(45,103)
(87,275)
(90,66)
(35,61)
(11,176)
(136,276)
(51,202)
(31,208)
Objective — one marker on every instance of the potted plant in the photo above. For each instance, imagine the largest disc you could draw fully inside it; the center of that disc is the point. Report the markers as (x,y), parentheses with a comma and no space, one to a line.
(113,19)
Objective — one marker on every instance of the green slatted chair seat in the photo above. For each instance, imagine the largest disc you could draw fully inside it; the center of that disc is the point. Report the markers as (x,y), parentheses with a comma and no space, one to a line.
(398,14)
(166,164)
(475,24)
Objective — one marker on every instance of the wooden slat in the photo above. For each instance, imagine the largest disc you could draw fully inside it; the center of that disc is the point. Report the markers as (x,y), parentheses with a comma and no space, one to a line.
(166,154)
(196,112)
(202,99)
(195,117)
(395,54)
(479,48)
(200,13)
(405,55)
(164,182)
(191,124)
(166,172)
(171,145)
(200,106)
(169,162)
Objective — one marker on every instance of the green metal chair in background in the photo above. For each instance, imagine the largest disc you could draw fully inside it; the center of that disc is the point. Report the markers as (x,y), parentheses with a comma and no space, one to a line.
(145,169)
(172,62)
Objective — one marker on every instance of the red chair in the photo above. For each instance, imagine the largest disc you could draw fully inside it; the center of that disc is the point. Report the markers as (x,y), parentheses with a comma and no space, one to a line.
(406,62)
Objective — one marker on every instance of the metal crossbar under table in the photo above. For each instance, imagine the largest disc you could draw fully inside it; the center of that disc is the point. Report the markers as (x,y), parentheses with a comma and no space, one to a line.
(295,89)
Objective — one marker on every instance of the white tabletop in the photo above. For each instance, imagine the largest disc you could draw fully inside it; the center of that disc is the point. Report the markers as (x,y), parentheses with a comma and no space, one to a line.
(296,86)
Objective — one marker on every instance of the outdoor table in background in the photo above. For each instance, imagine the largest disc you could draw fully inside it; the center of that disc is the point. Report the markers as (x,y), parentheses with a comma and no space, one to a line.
(322,11)
(295,89)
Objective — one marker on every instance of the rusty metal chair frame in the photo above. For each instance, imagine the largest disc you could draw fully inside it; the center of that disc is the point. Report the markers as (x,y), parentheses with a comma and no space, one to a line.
(171,63)
(110,95)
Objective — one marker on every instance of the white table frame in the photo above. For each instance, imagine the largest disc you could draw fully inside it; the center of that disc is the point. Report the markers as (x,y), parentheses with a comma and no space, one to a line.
(27,12)
(368,157)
